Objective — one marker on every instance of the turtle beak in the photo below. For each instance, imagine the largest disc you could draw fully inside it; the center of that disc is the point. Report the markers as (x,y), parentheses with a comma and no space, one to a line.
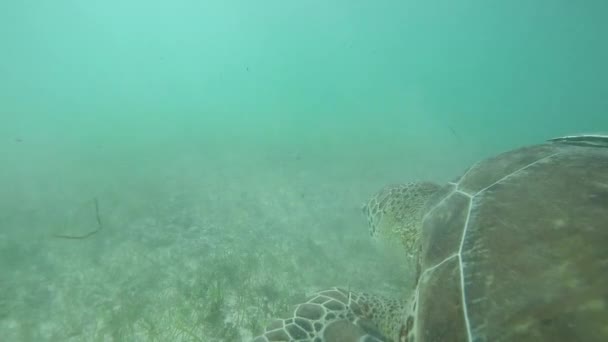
(363,208)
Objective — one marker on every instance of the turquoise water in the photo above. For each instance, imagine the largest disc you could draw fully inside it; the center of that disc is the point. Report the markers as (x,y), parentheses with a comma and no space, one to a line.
(219,130)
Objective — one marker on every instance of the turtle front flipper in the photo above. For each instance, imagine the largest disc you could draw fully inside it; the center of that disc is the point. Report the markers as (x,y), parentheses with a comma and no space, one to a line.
(338,315)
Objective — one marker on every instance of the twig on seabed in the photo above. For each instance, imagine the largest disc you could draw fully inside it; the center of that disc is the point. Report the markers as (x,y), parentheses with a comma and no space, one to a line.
(89,234)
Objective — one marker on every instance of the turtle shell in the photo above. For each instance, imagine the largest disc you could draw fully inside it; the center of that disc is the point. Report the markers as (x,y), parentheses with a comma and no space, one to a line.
(517,249)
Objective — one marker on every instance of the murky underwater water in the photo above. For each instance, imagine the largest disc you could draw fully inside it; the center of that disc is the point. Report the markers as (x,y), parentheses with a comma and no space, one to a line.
(230,145)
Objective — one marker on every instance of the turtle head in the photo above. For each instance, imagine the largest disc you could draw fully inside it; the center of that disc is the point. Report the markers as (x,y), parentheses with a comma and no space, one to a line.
(394,214)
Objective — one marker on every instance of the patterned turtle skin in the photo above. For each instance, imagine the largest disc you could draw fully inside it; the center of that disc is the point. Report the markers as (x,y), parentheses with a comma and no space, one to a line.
(336,315)
(394,214)
(516,249)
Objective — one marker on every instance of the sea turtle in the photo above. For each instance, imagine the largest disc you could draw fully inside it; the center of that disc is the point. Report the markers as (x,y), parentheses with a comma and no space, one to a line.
(516,249)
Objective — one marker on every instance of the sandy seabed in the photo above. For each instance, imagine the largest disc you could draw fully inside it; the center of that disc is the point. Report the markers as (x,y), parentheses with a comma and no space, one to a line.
(192,250)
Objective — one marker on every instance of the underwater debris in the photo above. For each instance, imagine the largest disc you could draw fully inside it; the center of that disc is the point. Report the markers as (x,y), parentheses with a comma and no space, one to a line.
(455,134)
(89,234)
